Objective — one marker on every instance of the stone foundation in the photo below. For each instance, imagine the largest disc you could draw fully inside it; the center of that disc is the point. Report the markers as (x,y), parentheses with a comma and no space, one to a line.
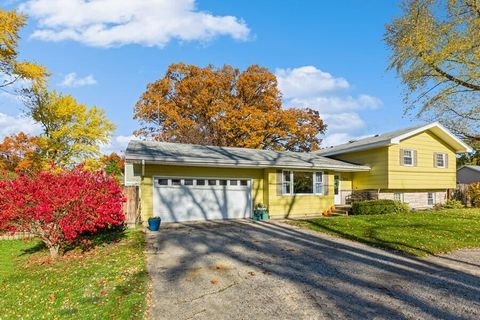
(417,199)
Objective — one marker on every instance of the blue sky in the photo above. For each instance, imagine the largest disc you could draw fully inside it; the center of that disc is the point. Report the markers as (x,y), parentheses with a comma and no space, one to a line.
(329,55)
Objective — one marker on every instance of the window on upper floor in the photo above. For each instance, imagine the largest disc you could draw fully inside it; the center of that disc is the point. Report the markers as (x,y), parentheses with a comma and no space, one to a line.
(408,157)
(440,160)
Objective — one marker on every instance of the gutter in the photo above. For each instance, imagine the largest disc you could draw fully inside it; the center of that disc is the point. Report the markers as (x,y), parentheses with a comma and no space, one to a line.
(246,165)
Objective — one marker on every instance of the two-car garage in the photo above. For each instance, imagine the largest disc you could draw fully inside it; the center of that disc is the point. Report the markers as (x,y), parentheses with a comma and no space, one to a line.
(177,199)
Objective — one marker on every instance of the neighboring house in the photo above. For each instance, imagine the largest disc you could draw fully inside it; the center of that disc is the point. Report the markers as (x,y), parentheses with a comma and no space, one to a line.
(468,174)
(181,182)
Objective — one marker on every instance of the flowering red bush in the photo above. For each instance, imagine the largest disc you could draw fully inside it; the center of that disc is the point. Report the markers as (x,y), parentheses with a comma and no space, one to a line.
(57,207)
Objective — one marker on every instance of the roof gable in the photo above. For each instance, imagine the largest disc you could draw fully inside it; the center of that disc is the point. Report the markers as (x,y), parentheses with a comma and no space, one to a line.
(395,137)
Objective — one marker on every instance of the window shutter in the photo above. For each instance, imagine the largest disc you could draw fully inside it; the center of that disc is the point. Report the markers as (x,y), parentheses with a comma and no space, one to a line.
(434,159)
(446,160)
(401,157)
(279,182)
(326,185)
(414,155)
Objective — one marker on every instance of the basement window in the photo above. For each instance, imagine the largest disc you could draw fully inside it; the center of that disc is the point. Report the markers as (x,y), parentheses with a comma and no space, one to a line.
(398,196)
(431,198)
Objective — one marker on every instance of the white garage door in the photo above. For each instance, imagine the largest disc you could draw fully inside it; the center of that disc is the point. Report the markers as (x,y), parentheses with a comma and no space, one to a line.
(197,199)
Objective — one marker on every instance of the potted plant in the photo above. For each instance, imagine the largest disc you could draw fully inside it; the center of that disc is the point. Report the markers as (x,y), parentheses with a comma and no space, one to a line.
(154,223)
(261,211)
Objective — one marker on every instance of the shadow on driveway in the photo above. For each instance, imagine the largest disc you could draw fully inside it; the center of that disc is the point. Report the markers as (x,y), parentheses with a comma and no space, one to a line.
(264,270)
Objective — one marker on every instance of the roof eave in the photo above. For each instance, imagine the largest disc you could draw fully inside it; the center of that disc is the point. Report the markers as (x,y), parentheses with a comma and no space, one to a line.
(244,165)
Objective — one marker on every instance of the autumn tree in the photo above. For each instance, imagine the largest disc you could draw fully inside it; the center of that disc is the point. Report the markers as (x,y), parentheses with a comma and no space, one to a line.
(225,107)
(59,206)
(435,48)
(113,164)
(20,153)
(72,132)
(12,69)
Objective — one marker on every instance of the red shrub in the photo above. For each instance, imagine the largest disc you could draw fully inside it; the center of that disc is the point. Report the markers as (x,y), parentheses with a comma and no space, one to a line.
(59,206)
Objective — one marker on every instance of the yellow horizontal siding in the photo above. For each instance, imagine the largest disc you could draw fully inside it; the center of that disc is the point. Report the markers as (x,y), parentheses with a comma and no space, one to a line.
(256,175)
(424,175)
(346,183)
(377,159)
(284,206)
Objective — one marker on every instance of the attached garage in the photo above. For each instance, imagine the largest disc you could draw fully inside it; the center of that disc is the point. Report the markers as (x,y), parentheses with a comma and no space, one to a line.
(177,199)
(184,182)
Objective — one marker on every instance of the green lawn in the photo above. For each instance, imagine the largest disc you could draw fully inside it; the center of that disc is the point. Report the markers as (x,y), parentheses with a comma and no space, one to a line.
(107,282)
(416,233)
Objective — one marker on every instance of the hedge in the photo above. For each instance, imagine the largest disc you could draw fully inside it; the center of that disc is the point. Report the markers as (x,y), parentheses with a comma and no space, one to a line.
(378,207)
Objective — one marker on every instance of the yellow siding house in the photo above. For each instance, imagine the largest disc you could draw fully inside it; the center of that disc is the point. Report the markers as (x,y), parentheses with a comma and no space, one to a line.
(182,182)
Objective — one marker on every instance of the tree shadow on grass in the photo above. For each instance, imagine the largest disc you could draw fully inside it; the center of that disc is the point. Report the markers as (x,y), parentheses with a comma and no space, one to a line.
(87,241)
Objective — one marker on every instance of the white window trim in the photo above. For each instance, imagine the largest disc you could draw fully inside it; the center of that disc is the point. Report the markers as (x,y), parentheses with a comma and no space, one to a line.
(291,182)
(412,156)
(444,158)
(402,199)
(433,198)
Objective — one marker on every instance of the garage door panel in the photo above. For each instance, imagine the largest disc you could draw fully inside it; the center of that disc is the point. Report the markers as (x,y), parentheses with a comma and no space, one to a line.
(196,203)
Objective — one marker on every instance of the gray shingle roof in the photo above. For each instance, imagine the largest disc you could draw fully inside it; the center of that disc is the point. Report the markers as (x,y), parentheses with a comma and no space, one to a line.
(476,168)
(198,155)
(373,141)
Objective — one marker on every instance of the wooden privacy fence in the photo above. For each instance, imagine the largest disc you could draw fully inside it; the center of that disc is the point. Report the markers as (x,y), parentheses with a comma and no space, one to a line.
(132,205)
(461,193)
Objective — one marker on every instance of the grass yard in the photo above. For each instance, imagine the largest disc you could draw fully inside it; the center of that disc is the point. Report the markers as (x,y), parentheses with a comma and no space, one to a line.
(107,282)
(417,233)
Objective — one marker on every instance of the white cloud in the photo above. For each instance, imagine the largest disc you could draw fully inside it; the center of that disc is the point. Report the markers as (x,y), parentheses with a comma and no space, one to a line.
(14,124)
(307,81)
(107,23)
(338,103)
(339,122)
(72,80)
(311,87)
(117,144)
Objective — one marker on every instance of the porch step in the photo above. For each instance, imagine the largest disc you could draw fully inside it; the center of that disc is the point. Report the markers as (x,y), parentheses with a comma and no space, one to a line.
(341,210)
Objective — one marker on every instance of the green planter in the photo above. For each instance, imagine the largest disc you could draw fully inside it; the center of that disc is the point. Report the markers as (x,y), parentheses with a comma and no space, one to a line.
(260,214)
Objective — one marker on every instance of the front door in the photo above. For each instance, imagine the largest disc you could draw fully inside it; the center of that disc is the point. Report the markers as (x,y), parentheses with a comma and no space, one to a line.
(336,190)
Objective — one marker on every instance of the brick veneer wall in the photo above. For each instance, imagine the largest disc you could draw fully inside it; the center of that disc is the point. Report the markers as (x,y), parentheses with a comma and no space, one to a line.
(416,200)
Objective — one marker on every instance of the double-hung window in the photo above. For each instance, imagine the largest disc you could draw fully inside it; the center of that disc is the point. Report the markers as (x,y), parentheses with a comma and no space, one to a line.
(398,196)
(440,160)
(430,198)
(302,182)
(408,157)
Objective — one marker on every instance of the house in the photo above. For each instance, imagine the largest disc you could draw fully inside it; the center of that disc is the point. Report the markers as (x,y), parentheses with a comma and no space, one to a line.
(181,182)
(468,174)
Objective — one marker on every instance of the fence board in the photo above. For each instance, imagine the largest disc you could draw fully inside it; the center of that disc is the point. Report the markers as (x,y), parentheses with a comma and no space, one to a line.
(132,205)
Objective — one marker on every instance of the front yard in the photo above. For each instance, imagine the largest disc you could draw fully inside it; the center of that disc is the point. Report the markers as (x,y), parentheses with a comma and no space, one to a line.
(417,233)
(106,282)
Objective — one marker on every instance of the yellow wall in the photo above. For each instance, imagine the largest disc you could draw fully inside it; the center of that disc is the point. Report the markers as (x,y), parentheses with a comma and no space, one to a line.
(377,159)
(157,170)
(387,173)
(284,206)
(264,189)
(424,175)
(346,182)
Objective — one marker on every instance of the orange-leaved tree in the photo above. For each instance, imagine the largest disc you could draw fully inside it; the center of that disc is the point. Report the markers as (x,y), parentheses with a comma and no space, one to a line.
(225,107)
(20,153)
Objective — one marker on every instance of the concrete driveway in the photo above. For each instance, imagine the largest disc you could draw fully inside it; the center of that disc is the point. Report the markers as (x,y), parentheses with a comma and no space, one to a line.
(265,270)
